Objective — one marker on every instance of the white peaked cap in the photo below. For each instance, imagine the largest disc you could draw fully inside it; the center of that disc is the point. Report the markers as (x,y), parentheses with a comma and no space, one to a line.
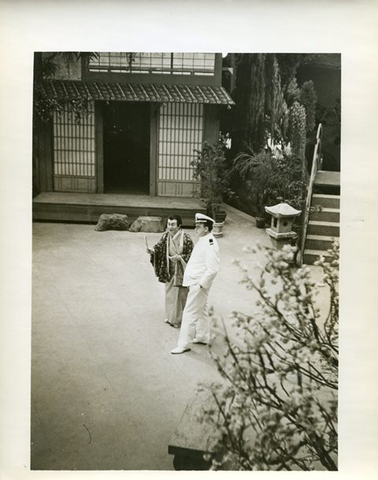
(201,218)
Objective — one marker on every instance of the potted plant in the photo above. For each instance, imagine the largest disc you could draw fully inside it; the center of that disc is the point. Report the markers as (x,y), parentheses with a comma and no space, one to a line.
(219,215)
(210,169)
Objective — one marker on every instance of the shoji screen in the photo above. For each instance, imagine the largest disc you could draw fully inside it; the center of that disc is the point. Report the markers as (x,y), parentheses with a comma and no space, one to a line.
(74,152)
(180,134)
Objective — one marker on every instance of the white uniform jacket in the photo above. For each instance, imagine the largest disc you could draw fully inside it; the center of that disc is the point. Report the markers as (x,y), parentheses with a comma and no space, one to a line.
(203,264)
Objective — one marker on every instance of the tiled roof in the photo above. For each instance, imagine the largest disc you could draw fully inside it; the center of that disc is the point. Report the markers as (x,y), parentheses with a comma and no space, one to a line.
(135,92)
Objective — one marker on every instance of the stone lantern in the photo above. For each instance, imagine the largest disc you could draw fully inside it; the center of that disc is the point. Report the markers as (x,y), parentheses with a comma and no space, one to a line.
(283,216)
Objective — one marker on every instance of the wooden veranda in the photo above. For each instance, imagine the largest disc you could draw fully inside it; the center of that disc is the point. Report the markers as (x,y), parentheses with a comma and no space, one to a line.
(87,207)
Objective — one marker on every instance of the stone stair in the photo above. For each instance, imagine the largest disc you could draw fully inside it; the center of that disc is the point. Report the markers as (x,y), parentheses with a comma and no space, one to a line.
(323,227)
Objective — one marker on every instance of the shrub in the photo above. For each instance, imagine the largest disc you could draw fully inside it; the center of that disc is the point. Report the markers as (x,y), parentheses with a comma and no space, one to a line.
(276,408)
(210,170)
(272,175)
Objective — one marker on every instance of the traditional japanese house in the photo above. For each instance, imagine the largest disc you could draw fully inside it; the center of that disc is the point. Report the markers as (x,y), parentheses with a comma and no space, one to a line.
(142,117)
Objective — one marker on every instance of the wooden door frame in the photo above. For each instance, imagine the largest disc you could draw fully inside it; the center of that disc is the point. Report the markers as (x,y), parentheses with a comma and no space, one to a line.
(154,142)
(99,146)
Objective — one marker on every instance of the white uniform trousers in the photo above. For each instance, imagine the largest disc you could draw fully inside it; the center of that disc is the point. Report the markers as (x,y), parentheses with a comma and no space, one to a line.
(175,298)
(195,322)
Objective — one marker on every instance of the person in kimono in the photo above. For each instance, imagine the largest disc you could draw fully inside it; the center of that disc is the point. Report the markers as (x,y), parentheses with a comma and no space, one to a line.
(169,258)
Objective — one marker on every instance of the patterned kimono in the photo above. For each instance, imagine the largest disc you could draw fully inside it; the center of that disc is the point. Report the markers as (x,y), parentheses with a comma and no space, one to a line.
(171,273)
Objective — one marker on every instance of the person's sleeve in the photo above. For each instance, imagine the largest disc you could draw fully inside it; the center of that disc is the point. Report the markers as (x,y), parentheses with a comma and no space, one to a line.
(187,251)
(160,243)
(212,266)
(157,249)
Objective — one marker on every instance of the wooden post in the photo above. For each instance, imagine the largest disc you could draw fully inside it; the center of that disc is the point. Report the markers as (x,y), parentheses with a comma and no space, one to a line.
(44,145)
(99,146)
(154,147)
(218,69)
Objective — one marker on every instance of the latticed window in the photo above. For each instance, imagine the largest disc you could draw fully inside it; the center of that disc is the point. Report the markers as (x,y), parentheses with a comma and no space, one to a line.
(180,134)
(163,63)
(74,150)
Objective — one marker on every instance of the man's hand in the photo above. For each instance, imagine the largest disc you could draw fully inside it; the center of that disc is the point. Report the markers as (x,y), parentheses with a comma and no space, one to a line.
(175,258)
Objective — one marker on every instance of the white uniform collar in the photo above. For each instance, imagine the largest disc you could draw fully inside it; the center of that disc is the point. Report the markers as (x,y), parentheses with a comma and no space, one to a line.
(205,236)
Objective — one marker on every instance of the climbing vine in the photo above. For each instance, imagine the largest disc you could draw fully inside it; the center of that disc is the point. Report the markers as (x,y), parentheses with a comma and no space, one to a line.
(45,107)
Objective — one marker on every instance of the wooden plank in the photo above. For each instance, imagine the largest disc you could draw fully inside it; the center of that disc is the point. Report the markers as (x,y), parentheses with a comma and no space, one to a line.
(91,214)
(82,207)
(116,199)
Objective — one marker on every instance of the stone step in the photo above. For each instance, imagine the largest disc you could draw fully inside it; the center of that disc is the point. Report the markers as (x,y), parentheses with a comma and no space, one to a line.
(326,215)
(316,227)
(325,178)
(327,201)
(311,255)
(319,242)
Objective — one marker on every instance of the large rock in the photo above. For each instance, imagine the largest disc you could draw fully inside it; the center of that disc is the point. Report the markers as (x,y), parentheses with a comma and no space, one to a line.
(112,221)
(148,224)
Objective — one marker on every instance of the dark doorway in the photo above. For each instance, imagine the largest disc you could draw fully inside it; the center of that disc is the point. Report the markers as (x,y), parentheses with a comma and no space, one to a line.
(127,147)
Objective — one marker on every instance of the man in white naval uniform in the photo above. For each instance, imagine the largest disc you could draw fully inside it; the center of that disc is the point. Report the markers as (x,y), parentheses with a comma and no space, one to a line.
(200,272)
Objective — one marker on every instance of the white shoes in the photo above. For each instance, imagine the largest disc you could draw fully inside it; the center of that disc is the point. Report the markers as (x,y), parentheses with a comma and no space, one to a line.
(178,350)
(171,324)
(198,341)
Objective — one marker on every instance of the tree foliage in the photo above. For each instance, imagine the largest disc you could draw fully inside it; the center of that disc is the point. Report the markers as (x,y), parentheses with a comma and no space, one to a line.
(276,408)
(261,103)
(272,175)
(297,135)
(289,63)
(44,107)
(249,112)
(46,67)
(271,110)
(308,99)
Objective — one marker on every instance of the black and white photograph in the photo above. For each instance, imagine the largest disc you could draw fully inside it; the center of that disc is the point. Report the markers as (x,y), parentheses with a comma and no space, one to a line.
(194,293)
(160,168)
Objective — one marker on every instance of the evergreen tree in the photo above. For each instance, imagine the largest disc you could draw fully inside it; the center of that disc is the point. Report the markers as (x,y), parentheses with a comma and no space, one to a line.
(250,101)
(309,99)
